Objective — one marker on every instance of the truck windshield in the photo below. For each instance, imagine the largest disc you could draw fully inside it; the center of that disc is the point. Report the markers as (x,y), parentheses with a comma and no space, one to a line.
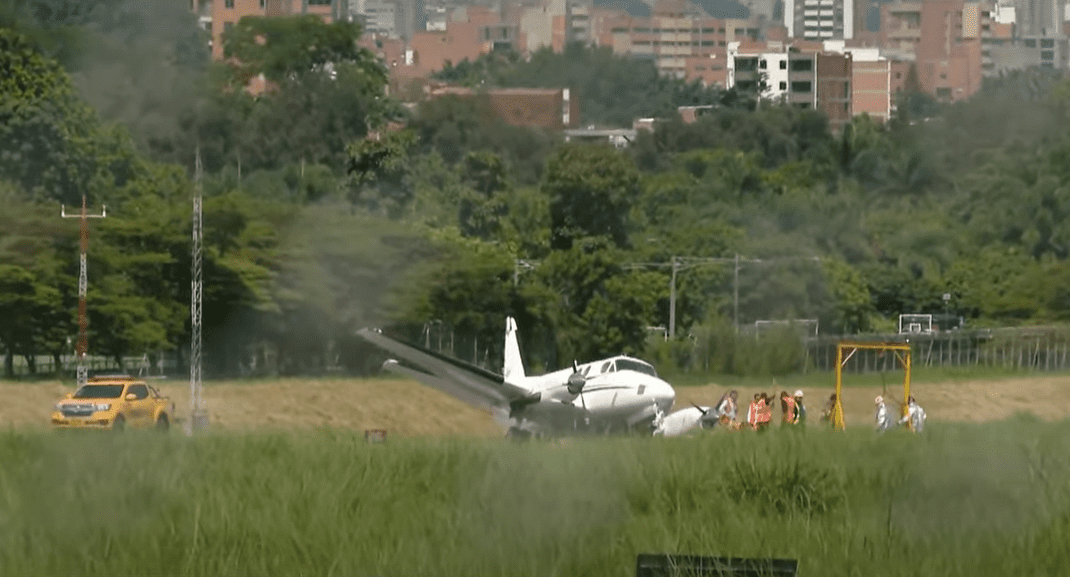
(99,392)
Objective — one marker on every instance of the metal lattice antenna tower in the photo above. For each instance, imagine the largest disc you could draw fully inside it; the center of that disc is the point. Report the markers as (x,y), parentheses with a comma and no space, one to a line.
(198,413)
(83,284)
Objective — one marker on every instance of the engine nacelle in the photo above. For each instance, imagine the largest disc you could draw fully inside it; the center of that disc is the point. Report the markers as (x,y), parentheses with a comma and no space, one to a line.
(575,383)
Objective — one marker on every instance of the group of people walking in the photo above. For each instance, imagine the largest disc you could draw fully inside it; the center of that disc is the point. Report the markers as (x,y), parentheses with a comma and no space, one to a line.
(793,412)
(915,416)
(760,411)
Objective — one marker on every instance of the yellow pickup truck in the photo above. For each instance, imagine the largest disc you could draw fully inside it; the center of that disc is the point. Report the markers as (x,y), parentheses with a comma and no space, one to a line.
(114,402)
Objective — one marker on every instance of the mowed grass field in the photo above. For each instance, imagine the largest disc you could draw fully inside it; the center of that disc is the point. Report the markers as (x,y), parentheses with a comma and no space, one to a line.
(406,408)
(960,499)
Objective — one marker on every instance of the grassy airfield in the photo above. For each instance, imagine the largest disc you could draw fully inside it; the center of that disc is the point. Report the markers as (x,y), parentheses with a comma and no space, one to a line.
(959,499)
(406,408)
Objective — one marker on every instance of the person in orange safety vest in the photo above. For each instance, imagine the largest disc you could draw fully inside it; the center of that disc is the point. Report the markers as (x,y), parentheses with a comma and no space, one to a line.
(787,406)
(752,411)
(765,412)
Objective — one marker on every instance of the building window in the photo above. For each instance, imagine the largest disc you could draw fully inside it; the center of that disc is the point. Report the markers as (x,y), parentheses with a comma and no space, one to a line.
(1047,55)
(801,86)
(762,64)
(1047,65)
(847,107)
(739,31)
(802,65)
(1047,43)
(620,30)
(1030,43)
(783,64)
(227,26)
(943,93)
(319,2)
(846,89)
(229,4)
(746,64)
(783,85)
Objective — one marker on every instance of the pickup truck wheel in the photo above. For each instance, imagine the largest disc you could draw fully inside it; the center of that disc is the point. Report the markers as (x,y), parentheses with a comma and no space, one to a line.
(119,424)
(162,424)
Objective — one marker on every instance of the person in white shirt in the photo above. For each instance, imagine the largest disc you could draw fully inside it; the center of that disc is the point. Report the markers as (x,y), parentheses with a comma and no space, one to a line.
(726,407)
(915,415)
(884,418)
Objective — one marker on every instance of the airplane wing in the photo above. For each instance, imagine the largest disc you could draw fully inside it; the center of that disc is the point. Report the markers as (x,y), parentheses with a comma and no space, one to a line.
(471,384)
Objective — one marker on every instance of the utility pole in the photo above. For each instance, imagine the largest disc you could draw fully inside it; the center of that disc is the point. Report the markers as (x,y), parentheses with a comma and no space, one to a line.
(679,263)
(672,297)
(83,284)
(198,414)
(735,295)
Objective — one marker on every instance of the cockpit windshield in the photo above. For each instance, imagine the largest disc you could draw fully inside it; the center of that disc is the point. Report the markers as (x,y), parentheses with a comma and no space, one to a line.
(637,366)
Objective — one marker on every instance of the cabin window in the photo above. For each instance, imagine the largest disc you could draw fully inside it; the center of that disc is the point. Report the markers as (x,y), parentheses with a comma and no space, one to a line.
(605,367)
(641,389)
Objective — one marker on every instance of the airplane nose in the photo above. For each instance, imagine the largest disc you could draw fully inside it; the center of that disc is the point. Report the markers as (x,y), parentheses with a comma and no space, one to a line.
(664,395)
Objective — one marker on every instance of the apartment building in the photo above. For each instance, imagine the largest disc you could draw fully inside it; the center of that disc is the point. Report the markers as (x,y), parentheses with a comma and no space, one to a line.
(1040,18)
(801,75)
(1049,52)
(676,36)
(819,19)
(947,41)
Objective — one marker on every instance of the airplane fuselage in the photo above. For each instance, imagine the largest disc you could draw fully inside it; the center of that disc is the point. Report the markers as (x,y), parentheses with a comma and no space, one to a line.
(617,393)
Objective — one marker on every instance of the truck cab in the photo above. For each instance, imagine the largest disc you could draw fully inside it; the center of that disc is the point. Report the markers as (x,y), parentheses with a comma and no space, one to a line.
(114,402)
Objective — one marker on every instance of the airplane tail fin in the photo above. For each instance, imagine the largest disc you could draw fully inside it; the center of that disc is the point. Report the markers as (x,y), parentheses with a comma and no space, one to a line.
(514,366)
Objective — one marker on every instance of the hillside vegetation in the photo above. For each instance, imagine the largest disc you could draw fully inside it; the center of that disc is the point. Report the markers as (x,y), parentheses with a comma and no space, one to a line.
(313,230)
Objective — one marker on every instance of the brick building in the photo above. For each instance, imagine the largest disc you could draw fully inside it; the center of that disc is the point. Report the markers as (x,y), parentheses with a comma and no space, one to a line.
(677,36)
(952,43)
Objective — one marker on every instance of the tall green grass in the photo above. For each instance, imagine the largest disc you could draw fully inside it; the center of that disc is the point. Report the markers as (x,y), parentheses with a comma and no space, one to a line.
(956,500)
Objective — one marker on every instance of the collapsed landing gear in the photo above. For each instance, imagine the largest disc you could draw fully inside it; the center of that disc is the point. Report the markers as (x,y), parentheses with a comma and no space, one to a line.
(518,434)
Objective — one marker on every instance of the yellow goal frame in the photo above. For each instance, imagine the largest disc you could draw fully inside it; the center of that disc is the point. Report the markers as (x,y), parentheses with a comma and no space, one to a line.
(902,354)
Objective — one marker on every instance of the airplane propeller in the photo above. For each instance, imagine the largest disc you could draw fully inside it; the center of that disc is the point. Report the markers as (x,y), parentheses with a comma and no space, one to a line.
(576,380)
(706,415)
(575,384)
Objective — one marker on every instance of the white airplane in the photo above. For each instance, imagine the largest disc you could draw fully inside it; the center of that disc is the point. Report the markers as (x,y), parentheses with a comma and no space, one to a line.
(618,394)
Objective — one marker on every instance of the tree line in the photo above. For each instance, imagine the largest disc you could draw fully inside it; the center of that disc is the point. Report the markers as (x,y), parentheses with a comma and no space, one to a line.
(314,229)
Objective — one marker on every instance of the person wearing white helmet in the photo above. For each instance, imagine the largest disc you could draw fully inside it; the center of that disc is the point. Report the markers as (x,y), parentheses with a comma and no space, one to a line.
(884,418)
(800,409)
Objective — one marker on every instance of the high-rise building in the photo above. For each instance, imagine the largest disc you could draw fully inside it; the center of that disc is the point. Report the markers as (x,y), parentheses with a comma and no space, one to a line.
(819,19)
(1039,17)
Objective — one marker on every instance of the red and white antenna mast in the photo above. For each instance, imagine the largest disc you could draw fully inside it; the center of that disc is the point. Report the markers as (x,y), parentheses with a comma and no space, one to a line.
(83,283)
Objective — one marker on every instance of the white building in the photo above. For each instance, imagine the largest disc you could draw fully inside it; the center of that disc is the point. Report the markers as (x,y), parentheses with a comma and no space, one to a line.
(819,19)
